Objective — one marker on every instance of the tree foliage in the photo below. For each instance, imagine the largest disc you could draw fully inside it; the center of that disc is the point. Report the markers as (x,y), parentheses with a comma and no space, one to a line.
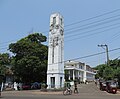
(30,58)
(4,62)
(100,69)
(109,72)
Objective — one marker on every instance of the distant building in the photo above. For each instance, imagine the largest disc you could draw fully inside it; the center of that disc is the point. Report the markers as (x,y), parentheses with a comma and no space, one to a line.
(75,70)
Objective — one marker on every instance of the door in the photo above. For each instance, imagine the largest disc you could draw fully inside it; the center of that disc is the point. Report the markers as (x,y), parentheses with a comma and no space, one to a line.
(52,82)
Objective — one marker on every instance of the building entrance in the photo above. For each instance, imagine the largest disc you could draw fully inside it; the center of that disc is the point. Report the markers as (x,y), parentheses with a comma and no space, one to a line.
(52,82)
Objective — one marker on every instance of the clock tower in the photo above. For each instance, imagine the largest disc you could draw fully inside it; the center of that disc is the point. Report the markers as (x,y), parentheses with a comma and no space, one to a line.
(55,69)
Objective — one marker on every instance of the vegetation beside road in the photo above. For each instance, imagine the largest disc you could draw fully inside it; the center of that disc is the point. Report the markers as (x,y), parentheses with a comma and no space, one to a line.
(28,62)
(109,71)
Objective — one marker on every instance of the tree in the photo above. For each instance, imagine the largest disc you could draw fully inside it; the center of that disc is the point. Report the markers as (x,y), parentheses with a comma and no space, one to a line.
(115,64)
(105,72)
(100,69)
(109,72)
(30,58)
(4,61)
(118,75)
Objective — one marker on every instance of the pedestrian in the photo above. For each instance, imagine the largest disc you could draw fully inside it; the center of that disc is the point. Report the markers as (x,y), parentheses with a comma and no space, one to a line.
(18,87)
(75,89)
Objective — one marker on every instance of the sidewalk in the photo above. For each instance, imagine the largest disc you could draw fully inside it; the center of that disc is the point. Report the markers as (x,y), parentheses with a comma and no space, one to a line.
(48,92)
(38,92)
(118,90)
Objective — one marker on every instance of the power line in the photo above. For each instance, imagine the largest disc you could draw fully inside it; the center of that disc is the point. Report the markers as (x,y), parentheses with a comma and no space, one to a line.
(76,31)
(114,37)
(96,25)
(8,41)
(118,57)
(113,55)
(93,26)
(95,61)
(3,48)
(95,22)
(87,56)
(91,34)
(103,58)
(94,54)
(113,11)
(14,39)
(76,34)
(93,17)
(84,25)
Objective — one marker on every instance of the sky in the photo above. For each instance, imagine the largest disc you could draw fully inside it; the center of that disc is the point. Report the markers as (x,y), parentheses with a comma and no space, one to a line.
(87,24)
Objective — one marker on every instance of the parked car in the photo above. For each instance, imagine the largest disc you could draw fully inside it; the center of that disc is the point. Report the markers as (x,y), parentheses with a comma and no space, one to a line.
(26,86)
(111,86)
(35,85)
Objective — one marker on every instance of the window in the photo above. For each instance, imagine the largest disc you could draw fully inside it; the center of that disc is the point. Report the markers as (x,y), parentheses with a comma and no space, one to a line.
(61,21)
(54,20)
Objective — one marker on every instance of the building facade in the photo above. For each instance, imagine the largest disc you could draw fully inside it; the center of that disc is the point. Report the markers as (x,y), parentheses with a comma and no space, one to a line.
(81,72)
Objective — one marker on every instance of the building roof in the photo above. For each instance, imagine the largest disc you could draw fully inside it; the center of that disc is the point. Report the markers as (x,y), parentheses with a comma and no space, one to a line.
(72,62)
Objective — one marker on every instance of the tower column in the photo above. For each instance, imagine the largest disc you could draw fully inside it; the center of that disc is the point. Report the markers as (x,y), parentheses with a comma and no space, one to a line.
(73,74)
(69,74)
(84,74)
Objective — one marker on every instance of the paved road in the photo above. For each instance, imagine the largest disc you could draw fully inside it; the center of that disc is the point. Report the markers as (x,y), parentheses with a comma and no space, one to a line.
(89,91)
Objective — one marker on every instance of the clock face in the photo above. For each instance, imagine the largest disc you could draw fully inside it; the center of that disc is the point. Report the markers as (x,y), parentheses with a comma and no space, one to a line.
(56,26)
(53,31)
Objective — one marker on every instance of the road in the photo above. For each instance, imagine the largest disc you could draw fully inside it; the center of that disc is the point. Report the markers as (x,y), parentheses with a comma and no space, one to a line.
(89,91)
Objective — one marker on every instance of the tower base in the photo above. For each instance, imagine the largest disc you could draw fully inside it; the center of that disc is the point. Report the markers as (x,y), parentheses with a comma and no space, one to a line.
(55,80)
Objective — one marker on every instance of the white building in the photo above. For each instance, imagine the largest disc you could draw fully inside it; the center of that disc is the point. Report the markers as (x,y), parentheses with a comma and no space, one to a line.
(55,70)
(75,70)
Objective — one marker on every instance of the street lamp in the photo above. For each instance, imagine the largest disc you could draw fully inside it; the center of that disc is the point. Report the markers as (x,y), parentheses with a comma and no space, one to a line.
(106,51)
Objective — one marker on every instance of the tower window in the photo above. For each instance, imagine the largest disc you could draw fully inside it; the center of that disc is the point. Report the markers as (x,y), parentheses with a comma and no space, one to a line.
(61,21)
(54,20)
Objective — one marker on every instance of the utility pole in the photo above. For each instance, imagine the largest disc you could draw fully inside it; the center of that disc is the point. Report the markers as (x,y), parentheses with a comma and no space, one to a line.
(106,52)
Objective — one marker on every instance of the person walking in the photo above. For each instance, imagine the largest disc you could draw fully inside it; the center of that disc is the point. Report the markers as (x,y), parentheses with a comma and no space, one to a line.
(75,89)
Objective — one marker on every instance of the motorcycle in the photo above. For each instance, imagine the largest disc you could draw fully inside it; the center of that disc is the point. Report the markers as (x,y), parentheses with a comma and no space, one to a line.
(111,87)
(67,91)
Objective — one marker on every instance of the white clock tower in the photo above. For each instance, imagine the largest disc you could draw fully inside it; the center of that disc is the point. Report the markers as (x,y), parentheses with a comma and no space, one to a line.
(55,70)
